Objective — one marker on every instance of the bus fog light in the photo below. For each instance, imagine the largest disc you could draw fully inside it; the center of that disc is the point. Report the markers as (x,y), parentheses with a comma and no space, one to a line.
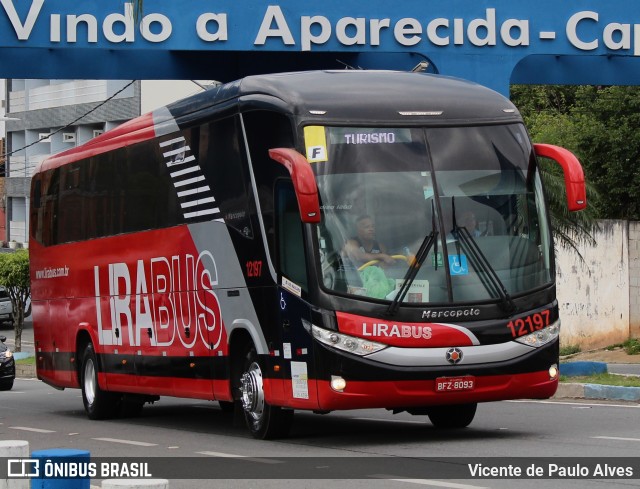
(553,372)
(338,383)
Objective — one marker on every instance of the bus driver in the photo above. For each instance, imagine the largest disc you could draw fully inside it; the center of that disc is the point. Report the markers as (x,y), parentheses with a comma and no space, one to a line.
(364,247)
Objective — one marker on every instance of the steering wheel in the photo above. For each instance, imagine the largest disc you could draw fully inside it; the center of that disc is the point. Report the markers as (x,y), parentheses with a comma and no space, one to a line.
(409,260)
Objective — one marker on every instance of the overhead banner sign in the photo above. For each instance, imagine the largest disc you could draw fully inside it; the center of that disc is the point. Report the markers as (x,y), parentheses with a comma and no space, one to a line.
(56,23)
(450,34)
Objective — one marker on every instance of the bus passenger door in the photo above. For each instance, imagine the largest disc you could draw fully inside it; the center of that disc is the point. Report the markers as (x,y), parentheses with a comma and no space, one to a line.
(296,350)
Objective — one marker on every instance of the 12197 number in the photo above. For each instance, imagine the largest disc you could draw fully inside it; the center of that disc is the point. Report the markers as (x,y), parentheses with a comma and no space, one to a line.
(529,324)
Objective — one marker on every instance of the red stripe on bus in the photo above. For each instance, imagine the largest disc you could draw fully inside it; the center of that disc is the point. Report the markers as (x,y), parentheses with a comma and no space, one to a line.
(131,132)
(408,335)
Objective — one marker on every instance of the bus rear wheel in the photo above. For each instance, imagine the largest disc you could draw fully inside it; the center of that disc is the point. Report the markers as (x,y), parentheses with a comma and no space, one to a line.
(98,404)
(452,417)
(263,420)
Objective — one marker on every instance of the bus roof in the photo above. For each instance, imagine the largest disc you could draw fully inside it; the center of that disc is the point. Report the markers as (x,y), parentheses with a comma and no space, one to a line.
(364,95)
(320,97)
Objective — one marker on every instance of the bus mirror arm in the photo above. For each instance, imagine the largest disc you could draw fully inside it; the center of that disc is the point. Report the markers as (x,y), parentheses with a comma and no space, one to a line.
(304,182)
(573,174)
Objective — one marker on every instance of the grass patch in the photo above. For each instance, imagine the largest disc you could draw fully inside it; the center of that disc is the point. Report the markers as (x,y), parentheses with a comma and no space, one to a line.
(569,350)
(26,361)
(604,379)
(631,346)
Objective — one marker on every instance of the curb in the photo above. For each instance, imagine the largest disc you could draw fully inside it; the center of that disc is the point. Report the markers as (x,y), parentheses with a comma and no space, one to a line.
(596,391)
(573,369)
(25,371)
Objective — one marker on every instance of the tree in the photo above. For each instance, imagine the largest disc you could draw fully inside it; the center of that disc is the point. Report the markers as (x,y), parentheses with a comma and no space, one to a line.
(600,125)
(14,276)
(548,114)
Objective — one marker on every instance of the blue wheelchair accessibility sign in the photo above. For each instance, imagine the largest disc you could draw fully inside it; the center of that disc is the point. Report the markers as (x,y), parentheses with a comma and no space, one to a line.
(458,265)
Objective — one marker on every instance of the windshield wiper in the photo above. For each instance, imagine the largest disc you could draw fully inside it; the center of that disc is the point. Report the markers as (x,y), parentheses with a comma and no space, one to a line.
(414,267)
(486,273)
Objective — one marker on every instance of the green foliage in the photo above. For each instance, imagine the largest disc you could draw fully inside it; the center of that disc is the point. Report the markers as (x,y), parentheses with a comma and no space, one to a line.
(600,125)
(569,350)
(14,276)
(14,270)
(26,361)
(632,346)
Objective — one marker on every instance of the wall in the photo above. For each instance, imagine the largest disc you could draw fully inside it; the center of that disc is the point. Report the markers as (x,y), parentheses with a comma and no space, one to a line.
(598,297)
(634,274)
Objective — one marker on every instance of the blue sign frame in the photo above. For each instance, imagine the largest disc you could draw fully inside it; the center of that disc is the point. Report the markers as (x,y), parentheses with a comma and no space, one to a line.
(493,42)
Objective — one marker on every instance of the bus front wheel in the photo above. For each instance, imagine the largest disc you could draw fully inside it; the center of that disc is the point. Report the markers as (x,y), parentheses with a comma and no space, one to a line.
(452,417)
(263,420)
(98,404)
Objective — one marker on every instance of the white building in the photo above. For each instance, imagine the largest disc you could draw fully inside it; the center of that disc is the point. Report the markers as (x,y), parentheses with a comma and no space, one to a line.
(51,116)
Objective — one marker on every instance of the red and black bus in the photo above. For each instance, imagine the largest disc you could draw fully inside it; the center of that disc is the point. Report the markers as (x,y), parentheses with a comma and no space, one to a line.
(200,251)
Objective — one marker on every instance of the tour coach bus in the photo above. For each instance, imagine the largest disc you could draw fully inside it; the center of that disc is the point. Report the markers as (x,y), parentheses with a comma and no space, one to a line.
(304,241)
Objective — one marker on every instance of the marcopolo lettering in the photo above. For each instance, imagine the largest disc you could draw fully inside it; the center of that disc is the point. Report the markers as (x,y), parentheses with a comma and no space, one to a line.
(450,313)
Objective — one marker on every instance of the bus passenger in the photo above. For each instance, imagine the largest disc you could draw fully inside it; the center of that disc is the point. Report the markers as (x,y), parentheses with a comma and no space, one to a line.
(469,221)
(364,247)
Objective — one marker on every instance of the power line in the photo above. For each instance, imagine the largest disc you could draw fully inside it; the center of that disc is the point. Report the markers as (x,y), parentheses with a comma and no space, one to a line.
(47,136)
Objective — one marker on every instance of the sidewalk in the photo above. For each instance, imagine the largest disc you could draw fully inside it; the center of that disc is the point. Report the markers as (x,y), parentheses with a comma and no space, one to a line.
(598,361)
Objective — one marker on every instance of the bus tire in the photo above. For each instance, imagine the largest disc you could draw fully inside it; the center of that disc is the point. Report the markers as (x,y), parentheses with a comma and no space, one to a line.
(98,404)
(452,417)
(264,421)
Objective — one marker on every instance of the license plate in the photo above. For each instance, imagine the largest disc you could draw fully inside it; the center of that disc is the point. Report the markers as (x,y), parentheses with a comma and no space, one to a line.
(448,384)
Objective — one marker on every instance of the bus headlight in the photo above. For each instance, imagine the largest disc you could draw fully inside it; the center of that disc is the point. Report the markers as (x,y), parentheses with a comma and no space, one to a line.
(541,337)
(352,344)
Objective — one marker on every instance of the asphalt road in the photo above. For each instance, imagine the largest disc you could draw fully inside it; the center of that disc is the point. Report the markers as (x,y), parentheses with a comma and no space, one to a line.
(509,432)
(376,444)
(27,335)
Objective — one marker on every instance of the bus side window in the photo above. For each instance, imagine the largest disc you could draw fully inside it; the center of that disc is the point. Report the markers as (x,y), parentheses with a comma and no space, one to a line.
(224,162)
(290,235)
(266,130)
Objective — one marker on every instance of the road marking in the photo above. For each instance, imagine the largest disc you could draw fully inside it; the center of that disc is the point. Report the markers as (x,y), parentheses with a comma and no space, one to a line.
(566,403)
(127,442)
(426,482)
(35,430)
(615,438)
(243,457)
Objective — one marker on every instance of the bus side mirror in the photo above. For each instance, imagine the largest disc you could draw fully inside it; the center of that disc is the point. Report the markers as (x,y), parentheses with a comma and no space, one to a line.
(304,182)
(573,174)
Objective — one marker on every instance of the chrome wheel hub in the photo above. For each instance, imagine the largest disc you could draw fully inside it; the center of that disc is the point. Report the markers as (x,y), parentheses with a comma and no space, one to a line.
(252,393)
(90,382)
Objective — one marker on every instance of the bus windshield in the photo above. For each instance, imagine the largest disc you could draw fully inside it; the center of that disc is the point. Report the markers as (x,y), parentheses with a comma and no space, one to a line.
(473,193)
